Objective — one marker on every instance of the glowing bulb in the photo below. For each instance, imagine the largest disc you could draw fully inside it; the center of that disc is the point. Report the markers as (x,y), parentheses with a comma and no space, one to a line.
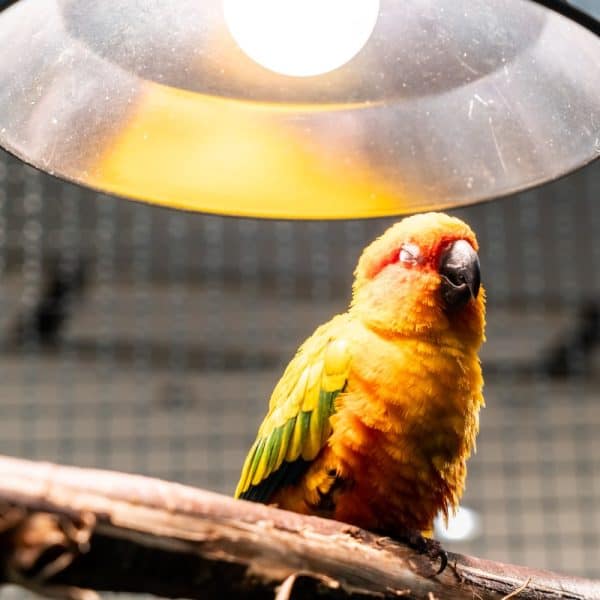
(301,37)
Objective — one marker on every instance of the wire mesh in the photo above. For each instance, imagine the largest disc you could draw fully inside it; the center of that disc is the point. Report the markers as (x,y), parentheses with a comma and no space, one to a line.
(140,339)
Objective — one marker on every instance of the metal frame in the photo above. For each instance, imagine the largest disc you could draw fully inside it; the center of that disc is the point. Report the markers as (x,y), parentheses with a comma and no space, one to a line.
(6,3)
(571,12)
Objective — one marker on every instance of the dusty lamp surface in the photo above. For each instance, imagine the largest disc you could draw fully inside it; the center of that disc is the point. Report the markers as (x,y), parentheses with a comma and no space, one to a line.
(441,103)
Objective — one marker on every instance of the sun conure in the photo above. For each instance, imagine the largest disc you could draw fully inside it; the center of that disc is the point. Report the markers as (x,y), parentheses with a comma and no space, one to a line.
(374,418)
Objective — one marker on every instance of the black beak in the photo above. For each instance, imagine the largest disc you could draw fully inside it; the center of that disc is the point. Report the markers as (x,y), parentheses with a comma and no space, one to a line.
(459,268)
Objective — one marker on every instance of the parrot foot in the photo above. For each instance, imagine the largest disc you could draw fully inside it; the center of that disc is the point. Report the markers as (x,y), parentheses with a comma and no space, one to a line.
(423,545)
(430,547)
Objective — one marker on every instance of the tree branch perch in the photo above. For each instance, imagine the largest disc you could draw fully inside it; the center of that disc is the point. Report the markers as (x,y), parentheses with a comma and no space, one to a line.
(65,531)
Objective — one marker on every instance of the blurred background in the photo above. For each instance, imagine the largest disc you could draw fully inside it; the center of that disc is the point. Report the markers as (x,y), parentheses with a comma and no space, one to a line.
(147,340)
(142,339)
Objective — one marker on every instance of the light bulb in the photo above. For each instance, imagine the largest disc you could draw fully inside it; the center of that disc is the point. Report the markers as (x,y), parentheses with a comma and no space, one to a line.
(301,37)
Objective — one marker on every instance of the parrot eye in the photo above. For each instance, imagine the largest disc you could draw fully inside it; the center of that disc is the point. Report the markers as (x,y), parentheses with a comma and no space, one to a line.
(410,254)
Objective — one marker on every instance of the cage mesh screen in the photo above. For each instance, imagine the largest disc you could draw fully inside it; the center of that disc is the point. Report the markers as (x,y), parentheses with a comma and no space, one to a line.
(146,340)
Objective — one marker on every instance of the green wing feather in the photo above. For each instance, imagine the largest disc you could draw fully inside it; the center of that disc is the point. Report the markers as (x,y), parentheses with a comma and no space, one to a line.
(297,424)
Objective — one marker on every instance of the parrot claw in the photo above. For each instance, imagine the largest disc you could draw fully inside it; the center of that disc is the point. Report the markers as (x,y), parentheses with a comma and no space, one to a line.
(431,548)
(421,544)
(436,552)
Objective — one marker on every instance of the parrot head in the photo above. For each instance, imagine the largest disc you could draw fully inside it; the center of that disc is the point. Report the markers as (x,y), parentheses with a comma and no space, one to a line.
(422,277)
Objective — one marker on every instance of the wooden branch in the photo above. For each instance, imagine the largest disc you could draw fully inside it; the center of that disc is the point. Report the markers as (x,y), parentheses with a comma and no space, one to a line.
(65,531)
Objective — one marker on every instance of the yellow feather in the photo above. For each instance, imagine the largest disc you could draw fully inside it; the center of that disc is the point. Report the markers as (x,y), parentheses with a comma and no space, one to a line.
(313,386)
(295,447)
(244,483)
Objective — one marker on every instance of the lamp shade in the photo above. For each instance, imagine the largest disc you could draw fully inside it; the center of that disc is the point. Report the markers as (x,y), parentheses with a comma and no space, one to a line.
(417,105)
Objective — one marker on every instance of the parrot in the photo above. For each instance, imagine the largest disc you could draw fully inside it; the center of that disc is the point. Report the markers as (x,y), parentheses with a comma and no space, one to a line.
(376,415)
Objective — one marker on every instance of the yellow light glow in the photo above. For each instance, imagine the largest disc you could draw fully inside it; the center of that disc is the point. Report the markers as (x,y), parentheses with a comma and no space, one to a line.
(223,157)
(301,37)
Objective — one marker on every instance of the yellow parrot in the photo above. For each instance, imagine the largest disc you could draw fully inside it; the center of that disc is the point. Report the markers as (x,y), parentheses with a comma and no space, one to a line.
(375,417)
